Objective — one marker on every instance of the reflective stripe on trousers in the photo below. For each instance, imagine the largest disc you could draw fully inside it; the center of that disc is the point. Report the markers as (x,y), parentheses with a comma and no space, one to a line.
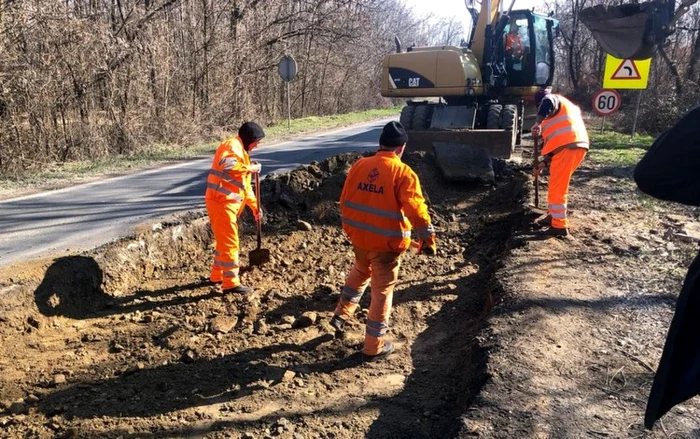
(563,165)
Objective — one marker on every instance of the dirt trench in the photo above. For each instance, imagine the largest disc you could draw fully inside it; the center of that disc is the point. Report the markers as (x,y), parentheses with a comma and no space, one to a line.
(129,341)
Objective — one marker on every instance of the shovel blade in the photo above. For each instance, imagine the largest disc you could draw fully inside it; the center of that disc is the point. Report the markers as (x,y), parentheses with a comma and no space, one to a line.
(259,257)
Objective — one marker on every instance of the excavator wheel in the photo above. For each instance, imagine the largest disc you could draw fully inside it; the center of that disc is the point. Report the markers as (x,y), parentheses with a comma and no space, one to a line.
(509,121)
(421,117)
(493,117)
(406,117)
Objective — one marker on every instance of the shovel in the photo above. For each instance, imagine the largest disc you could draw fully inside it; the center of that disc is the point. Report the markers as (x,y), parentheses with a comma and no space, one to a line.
(260,255)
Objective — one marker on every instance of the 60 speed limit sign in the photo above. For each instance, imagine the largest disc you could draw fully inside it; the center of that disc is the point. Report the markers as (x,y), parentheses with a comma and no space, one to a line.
(606,102)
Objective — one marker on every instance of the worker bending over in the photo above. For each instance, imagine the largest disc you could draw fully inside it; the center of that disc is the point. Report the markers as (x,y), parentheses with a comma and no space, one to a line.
(229,189)
(561,126)
(380,203)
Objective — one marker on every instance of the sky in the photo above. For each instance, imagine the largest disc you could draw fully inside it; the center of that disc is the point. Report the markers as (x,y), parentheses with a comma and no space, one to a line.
(457,8)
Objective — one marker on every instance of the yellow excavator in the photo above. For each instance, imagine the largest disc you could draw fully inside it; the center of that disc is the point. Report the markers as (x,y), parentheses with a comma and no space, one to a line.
(468,102)
(471,102)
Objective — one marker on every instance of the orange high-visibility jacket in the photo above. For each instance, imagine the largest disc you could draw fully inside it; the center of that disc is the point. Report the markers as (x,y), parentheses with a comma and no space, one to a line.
(564,126)
(229,177)
(514,44)
(380,201)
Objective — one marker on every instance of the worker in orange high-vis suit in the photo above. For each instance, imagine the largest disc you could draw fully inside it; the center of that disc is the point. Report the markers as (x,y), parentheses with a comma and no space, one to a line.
(565,138)
(381,202)
(229,190)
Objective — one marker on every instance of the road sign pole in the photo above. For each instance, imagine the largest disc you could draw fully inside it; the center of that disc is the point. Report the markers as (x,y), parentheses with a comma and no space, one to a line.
(289,110)
(602,124)
(636,113)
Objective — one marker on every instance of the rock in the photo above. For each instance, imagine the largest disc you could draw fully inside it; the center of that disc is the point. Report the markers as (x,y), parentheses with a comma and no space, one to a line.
(451,287)
(223,324)
(115,347)
(299,382)
(288,376)
(32,398)
(58,379)
(303,226)
(247,436)
(299,259)
(18,408)
(288,319)
(690,232)
(305,320)
(33,322)
(260,327)
(285,263)
(189,356)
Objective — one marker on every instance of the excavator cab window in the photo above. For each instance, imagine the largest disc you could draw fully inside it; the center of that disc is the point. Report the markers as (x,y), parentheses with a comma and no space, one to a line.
(527,49)
(544,31)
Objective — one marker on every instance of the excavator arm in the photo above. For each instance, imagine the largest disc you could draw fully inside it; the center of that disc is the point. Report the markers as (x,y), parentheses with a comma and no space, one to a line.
(634,30)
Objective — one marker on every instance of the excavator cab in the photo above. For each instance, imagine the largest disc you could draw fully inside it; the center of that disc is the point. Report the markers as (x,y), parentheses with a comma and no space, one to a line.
(634,30)
(527,49)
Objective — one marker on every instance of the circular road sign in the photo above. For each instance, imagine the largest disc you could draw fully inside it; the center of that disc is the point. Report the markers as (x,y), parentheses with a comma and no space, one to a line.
(606,102)
(287,68)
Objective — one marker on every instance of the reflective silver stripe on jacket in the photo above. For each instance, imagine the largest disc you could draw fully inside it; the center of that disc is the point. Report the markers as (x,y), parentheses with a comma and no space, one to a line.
(350,295)
(425,232)
(226,177)
(555,120)
(224,191)
(376,329)
(557,206)
(377,230)
(228,163)
(374,211)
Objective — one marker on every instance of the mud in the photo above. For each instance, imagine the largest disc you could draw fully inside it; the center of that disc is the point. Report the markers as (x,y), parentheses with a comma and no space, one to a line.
(129,341)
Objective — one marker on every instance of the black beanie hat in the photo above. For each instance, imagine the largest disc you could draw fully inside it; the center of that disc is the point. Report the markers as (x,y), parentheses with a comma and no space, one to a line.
(250,132)
(393,135)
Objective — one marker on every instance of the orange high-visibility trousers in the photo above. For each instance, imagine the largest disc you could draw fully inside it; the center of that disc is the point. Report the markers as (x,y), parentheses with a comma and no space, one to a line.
(381,271)
(223,218)
(563,165)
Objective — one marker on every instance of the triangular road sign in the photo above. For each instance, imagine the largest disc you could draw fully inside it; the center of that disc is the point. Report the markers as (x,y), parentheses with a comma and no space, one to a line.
(627,70)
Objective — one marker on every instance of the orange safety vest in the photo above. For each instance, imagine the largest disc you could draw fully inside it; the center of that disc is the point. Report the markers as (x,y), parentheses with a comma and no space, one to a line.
(513,42)
(229,177)
(564,126)
(380,201)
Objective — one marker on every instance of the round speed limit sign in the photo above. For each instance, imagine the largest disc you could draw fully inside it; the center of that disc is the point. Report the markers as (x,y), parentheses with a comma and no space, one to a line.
(606,102)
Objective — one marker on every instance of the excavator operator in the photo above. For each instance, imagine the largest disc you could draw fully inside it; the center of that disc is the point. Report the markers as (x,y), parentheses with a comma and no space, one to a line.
(514,49)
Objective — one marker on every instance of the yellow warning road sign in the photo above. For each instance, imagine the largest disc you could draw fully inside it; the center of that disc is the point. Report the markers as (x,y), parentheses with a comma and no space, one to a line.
(626,73)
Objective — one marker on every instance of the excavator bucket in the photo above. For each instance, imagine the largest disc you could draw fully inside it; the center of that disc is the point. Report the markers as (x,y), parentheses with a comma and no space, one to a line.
(634,30)
(631,31)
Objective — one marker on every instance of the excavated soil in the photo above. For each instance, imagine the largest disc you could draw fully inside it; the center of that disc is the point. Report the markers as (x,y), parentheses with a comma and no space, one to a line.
(500,335)
(129,341)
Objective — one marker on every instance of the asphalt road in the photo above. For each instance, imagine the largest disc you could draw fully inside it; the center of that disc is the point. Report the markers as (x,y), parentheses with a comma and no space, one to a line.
(86,216)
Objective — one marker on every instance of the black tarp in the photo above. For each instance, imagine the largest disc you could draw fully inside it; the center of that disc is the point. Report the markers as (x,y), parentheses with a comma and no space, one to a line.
(670,171)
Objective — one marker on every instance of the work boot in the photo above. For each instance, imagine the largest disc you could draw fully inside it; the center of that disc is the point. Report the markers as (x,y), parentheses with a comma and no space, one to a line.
(386,350)
(544,221)
(555,232)
(337,323)
(240,289)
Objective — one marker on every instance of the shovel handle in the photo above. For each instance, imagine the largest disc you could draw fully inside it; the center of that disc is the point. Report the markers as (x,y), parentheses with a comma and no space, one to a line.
(536,153)
(257,197)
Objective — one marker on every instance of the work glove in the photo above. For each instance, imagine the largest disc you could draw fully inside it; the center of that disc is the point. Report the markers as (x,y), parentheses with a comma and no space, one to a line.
(255,167)
(258,214)
(428,246)
(539,169)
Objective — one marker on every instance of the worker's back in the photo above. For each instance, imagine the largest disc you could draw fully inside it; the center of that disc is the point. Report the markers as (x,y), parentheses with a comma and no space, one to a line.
(371,206)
